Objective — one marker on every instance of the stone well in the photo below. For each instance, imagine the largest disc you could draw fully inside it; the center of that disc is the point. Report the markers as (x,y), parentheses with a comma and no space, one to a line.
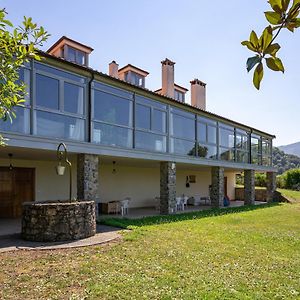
(58,220)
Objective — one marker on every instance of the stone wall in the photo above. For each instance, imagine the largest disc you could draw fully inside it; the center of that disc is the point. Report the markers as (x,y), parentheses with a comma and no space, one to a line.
(249,183)
(217,187)
(167,187)
(58,221)
(260,194)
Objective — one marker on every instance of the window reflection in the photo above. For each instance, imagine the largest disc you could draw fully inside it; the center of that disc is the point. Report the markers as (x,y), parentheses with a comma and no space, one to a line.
(47,92)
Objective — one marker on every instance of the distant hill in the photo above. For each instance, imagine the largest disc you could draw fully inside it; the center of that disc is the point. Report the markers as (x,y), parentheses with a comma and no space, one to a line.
(283,161)
(291,148)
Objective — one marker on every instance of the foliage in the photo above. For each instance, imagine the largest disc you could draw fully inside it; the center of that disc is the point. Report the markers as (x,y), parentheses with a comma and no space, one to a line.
(284,15)
(290,179)
(283,161)
(260,179)
(17,46)
(252,254)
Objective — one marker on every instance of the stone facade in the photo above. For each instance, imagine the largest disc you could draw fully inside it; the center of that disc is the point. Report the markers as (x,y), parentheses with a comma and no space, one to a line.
(271,186)
(167,187)
(58,221)
(260,194)
(249,184)
(217,187)
(87,176)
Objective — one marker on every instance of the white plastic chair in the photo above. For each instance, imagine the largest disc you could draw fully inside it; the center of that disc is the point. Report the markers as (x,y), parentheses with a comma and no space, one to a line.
(179,203)
(124,206)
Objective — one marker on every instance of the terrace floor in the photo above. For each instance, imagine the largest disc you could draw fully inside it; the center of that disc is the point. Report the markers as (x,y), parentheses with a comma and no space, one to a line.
(140,212)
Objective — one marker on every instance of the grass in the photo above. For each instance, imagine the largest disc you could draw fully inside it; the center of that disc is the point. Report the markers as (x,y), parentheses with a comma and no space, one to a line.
(229,254)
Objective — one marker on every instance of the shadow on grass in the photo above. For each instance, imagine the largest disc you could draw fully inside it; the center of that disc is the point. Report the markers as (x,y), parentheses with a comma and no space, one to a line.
(162,219)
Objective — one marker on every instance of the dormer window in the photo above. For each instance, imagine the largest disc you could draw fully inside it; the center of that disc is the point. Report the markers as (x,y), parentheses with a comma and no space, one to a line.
(179,96)
(133,75)
(71,50)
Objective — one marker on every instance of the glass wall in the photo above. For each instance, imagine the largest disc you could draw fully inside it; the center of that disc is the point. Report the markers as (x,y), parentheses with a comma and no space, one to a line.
(150,125)
(112,116)
(59,106)
(182,132)
(206,138)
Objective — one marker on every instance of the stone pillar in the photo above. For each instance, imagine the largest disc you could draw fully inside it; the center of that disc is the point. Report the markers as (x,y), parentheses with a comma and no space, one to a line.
(271,186)
(249,187)
(87,176)
(217,187)
(167,187)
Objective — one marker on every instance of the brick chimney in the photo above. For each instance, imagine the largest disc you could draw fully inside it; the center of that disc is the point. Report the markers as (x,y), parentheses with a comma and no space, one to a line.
(198,94)
(113,69)
(167,78)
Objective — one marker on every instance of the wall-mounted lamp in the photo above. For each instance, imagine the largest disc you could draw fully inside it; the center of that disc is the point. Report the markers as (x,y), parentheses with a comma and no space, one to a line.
(114,171)
(62,157)
(10,161)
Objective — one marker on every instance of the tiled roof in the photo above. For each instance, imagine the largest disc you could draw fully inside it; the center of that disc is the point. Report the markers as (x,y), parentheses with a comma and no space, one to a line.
(204,112)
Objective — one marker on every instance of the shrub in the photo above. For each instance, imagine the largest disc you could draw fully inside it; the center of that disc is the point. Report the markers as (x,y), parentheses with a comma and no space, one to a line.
(291,179)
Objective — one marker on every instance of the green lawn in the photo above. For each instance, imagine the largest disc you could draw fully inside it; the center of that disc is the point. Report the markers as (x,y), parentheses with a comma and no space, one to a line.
(240,253)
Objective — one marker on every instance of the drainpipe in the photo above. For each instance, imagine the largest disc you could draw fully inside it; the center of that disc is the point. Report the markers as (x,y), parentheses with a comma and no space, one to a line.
(89,117)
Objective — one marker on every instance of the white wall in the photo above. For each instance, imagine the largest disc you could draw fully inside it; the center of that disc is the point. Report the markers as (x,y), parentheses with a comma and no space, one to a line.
(48,185)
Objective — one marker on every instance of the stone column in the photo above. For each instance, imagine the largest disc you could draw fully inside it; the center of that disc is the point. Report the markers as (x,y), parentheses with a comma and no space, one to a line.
(217,187)
(271,186)
(249,187)
(87,176)
(167,187)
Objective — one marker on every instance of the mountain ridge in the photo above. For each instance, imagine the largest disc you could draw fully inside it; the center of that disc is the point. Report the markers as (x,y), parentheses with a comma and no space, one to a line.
(293,148)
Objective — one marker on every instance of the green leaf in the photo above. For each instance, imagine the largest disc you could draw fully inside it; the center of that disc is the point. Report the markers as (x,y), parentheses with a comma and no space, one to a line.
(249,45)
(258,75)
(266,37)
(273,18)
(272,49)
(275,64)
(285,4)
(254,39)
(252,61)
(276,5)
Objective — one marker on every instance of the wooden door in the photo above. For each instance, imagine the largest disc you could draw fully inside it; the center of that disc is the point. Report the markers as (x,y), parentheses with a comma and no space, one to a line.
(16,187)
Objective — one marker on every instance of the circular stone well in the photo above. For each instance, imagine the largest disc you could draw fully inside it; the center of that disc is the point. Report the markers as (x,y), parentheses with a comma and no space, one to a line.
(53,221)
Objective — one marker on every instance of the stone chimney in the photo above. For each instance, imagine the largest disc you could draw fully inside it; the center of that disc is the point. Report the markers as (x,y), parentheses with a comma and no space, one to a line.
(167,78)
(198,94)
(113,69)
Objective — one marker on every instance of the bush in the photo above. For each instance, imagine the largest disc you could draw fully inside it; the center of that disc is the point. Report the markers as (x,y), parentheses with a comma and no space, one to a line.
(260,179)
(290,180)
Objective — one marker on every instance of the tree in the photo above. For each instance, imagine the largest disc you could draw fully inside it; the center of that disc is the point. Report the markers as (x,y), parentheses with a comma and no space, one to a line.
(17,46)
(284,15)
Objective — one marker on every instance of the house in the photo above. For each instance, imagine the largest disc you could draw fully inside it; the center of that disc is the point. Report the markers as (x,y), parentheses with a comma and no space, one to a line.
(123,140)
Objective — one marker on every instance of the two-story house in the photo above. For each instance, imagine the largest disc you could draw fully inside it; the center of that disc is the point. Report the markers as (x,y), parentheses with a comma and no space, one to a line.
(123,140)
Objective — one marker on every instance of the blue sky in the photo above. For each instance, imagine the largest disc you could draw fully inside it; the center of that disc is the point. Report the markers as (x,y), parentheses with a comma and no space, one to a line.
(202,37)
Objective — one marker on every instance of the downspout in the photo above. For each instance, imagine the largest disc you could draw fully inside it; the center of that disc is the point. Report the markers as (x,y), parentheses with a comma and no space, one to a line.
(89,117)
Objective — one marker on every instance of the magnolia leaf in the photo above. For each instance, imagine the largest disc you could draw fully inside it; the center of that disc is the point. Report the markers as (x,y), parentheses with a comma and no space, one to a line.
(266,37)
(290,26)
(272,49)
(249,45)
(275,64)
(254,39)
(276,5)
(295,3)
(252,61)
(258,75)
(273,18)
(285,4)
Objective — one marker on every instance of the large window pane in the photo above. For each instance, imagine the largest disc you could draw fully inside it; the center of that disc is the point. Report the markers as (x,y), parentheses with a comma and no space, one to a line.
(150,102)
(59,126)
(112,135)
(47,92)
(19,124)
(24,77)
(182,127)
(226,138)
(207,151)
(143,117)
(150,141)
(113,90)
(73,98)
(242,157)
(58,72)
(182,147)
(211,134)
(201,132)
(159,121)
(226,154)
(112,109)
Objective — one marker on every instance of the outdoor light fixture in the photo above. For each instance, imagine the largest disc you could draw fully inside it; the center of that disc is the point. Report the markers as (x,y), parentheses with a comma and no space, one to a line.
(10,163)
(62,156)
(114,171)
